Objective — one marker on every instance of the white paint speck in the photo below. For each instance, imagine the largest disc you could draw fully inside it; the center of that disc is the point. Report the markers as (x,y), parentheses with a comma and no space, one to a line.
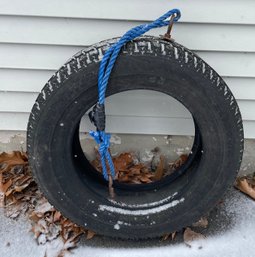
(225,90)
(94,214)
(100,54)
(186,57)
(50,87)
(211,74)
(149,47)
(136,48)
(117,226)
(195,61)
(37,106)
(58,77)
(78,63)
(176,54)
(61,124)
(43,95)
(163,51)
(203,67)
(88,58)
(218,81)
(69,71)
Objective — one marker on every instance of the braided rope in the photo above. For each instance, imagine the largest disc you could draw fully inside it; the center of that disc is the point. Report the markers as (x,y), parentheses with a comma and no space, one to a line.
(105,70)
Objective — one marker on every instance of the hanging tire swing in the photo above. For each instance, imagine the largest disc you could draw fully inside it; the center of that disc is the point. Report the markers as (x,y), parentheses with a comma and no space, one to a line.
(74,186)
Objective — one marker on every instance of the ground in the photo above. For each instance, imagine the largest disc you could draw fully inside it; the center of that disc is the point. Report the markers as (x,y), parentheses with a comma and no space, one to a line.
(230,233)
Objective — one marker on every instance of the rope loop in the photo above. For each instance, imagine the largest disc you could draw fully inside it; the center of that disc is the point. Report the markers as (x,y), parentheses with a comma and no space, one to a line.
(105,69)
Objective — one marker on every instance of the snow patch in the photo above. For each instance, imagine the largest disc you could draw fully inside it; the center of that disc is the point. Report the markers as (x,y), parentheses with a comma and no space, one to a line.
(146,204)
(140,212)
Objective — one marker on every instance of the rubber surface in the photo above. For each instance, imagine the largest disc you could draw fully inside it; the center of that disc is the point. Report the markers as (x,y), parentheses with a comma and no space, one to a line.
(71,184)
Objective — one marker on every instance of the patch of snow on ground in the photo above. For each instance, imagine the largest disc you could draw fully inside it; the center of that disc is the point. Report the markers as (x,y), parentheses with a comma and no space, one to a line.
(237,240)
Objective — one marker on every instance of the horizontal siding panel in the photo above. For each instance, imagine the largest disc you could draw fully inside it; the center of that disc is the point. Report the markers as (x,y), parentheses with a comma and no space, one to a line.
(144,103)
(242,88)
(115,124)
(219,11)
(34,80)
(81,32)
(149,104)
(48,57)
(36,38)
(23,80)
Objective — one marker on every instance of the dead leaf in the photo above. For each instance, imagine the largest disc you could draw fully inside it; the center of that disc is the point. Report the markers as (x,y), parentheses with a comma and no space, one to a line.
(202,223)
(19,194)
(122,161)
(172,235)
(57,216)
(9,160)
(244,186)
(90,234)
(190,235)
(145,179)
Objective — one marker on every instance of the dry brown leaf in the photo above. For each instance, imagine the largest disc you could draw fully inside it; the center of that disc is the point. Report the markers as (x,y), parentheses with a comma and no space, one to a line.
(202,223)
(9,160)
(243,185)
(190,235)
(57,216)
(173,235)
(145,179)
(129,170)
(5,186)
(20,193)
(90,234)
(123,161)
(167,236)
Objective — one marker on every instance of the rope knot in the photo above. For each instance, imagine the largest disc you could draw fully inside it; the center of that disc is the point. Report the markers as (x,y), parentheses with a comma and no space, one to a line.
(103,140)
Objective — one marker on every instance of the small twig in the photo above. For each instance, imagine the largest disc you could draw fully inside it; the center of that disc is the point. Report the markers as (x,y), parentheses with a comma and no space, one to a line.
(111,189)
(160,169)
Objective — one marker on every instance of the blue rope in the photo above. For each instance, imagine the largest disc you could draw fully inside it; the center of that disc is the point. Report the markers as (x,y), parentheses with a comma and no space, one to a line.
(105,70)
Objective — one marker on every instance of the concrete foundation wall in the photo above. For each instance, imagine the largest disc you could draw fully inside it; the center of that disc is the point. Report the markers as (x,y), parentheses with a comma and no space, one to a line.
(171,146)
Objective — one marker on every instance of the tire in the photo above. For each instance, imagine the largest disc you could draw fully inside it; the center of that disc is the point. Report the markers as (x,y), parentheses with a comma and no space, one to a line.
(71,184)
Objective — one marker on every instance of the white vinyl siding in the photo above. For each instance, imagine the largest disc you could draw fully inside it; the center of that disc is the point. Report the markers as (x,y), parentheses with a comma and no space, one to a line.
(37,37)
